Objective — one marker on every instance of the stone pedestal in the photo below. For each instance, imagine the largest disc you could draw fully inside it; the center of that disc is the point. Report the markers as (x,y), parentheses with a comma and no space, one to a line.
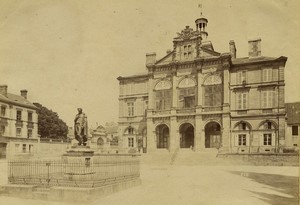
(78,161)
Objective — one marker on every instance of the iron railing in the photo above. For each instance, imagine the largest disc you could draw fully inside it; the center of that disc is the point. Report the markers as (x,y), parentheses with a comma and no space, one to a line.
(98,171)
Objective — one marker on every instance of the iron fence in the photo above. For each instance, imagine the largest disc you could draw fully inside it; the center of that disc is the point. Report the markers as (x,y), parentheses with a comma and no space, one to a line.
(97,171)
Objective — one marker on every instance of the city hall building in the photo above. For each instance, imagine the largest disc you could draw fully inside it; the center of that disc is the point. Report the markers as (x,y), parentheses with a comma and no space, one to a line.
(195,97)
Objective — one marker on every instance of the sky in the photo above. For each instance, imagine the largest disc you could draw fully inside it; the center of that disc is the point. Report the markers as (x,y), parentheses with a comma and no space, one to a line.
(68,53)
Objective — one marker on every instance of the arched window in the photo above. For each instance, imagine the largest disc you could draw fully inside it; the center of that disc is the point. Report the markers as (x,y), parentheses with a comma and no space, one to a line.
(186,93)
(163,95)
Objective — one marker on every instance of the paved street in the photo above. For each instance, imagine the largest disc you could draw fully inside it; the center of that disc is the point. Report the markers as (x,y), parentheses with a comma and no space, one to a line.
(201,185)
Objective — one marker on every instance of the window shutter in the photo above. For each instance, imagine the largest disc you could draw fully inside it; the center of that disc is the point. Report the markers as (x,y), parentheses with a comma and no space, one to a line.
(239,101)
(181,101)
(274,93)
(244,106)
(236,140)
(264,99)
(247,140)
(273,139)
(270,71)
(261,140)
(245,76)
(238,79)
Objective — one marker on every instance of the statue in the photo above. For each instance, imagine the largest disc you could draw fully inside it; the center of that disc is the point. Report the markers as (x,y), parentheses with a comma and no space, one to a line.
(81,128)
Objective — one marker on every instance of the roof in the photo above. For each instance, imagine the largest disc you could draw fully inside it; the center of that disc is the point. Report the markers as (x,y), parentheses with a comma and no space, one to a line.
(247,60)
(17,100)
(133,76)
(293,112)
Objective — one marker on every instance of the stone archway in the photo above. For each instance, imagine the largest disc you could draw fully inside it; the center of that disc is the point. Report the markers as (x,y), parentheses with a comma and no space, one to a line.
(213,136)
(186,135)
(162,136)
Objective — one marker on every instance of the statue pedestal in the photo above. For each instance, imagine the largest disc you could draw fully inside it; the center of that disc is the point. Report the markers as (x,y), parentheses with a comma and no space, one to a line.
(78,161)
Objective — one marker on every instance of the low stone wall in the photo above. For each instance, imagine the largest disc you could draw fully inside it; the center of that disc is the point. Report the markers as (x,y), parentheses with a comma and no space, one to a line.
(270,159)
(66,194)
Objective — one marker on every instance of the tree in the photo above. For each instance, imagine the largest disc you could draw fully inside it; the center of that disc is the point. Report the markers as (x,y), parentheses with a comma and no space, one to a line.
(49,124)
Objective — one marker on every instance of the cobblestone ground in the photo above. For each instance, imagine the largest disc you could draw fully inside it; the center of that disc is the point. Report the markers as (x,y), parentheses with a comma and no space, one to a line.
(199,185)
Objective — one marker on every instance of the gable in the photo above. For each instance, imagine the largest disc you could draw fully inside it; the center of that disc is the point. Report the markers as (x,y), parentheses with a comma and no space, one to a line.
(165,60)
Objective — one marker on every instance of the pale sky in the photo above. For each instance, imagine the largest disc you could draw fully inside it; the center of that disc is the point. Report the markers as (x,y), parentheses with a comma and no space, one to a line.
(68,53)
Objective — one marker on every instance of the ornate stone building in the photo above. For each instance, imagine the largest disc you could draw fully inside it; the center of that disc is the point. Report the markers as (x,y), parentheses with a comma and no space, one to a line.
(195,97)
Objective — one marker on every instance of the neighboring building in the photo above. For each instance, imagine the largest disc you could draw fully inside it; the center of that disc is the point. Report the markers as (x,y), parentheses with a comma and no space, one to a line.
(195,97)
(293,124)
(18,124)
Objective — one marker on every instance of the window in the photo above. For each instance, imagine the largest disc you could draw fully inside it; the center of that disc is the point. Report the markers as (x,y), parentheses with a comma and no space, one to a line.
(189,55)
(163,99)
(29,133)
(267,74)
(267,98)
(295,130)
(2,130)
(19,115)
(130,130)
(242,100)
(242,139)
(17,146)
(130,109)
(189,47)
(242,126)
(30,148)
(241,77)
(187,98)
(19,132)
(267,139)
(130,142)
(3,111)
(213,95)
(24,148)
(29,116)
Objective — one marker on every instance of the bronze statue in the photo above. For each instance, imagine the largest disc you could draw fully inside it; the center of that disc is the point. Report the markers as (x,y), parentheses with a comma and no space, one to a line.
(81,128)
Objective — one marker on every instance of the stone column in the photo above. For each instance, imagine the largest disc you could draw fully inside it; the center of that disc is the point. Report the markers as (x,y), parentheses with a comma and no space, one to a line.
(226,91)
(199,89)
(174,91)
(199,134)
(150,93)
(225,133)
(174,134)
(151,134)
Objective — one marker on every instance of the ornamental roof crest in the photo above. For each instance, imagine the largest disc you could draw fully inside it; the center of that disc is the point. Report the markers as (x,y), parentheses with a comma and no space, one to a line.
(186,34)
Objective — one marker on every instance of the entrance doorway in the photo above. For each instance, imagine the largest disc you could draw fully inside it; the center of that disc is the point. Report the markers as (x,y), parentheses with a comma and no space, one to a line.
(186,135)
(162,136)
(213,135)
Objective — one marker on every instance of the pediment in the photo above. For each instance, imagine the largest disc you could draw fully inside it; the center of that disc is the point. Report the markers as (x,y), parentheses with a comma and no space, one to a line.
(165,60)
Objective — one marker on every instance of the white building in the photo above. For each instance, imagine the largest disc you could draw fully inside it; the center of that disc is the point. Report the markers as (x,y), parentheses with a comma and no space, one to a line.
(18,124)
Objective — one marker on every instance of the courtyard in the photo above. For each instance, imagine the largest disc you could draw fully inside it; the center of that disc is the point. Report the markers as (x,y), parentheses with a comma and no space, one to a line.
(198,184)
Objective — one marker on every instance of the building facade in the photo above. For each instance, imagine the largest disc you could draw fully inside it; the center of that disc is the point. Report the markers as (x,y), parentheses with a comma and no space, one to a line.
(195,97)
(18,124)
(293,124)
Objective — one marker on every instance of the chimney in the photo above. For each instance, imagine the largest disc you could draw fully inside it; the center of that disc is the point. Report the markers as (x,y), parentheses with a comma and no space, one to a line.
(3,90)
(254,48)
(232,49)
(24,93)
(169,51)
(150,59)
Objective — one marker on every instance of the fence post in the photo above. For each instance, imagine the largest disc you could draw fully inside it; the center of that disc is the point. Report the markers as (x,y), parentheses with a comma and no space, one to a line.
(48,172)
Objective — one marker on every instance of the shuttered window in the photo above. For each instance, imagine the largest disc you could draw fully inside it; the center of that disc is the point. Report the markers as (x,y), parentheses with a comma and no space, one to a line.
(163,99)
(186,98)
(268,99)
(241,77)
(242,100)
(267,74)
(213,95)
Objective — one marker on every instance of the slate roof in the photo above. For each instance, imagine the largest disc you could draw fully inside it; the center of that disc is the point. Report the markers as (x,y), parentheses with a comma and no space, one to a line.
(17,100)
(246,60)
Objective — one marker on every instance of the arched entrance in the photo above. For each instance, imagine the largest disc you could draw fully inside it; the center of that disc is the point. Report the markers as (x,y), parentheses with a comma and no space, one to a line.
(186,135)
(162,136)
(212,135)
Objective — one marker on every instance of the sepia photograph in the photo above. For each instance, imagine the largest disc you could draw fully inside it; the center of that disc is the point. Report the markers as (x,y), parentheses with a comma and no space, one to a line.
(140,102)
